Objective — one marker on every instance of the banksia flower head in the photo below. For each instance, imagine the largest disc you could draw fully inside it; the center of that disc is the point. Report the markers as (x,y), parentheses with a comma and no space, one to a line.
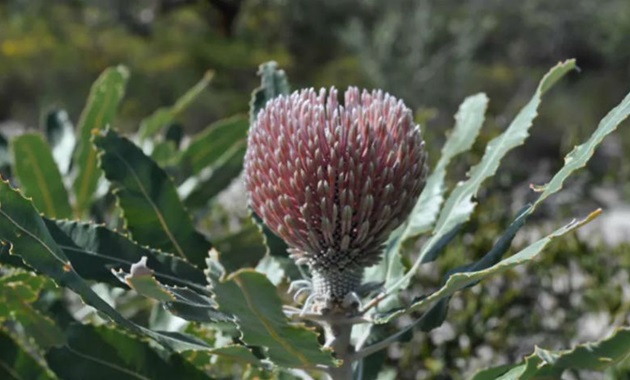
(334,180)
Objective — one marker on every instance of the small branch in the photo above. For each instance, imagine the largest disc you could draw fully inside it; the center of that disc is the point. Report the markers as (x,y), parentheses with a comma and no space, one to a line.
(369,350)
(373,302)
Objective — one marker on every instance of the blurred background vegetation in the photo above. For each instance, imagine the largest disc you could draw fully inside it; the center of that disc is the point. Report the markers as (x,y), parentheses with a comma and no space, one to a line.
(430,53)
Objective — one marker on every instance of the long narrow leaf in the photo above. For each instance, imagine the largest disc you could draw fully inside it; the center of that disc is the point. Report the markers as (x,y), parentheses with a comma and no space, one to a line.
(17,293)
(22,227)
(106,353)
(99,112)
(95,251)
(210,145)
(459,205)
(166,115)
(461,280)
(468,122)
(595,356)
(152,209)
(17,363)
(39,175)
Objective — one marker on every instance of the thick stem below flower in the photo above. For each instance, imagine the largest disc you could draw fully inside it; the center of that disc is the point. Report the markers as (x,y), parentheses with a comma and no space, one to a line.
(338,338)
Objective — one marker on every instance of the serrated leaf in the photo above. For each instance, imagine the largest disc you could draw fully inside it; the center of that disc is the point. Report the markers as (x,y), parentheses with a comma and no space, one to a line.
(459,205)
(166,115)
(461,280)
(22,226)
(17,293)
(253,300)
(468,122)
(595,356)
(39,175)
(580,155)
(60,135)
(152,209)
(222,174)
(273,83)
(99,112)
(184,302)
(95,250)
(100,352)
(210,145)
(17,363)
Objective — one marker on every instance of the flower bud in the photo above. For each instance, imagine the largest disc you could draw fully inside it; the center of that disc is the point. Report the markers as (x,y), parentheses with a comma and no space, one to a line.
(334,180)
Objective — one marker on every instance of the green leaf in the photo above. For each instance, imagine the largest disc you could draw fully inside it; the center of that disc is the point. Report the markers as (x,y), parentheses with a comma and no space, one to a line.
(580,155)
(165,154)
(95,251)
(273,83)
(544,364)
(223,173)
(106,353)
(17,293)
(461,280)
(152,209)
(242,249)
(166,115)
(39,175)
(22,226)
(184,302)
(459,205)
(234,353)
(253,300)
(468,122)
(210,145)
(17,363)
(99,112)
(60,136)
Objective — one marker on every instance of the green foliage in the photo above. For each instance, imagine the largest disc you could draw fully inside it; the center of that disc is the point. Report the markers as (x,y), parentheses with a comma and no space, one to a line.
(98,114)
(552,364)
(161,265)
(16,362)
(165,116)
(39,176)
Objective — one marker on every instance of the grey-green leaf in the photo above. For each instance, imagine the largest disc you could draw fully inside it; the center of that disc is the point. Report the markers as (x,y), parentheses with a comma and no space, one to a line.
(468,122)
(594,356)
(461,280)
(459,205)
(273,83)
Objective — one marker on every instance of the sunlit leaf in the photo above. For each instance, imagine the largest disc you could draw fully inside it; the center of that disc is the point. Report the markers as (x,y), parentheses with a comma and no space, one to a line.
(166,115)
(545,364)
(39,175)
(99,112)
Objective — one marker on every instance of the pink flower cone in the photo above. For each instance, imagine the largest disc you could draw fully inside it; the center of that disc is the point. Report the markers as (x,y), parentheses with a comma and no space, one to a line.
(334,180)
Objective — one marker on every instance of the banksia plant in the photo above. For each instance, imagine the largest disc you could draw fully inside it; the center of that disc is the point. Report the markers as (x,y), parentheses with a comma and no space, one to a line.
(333,180)
(342,181)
